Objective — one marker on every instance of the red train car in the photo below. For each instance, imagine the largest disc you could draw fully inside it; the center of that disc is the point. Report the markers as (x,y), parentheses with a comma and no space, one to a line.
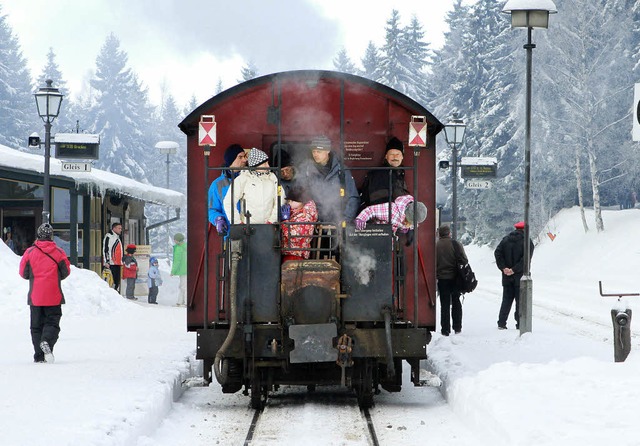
(328,320)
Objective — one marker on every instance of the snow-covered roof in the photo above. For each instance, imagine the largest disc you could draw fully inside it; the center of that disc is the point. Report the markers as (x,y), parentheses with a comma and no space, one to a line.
(101,179)
(478,160)
(532,5)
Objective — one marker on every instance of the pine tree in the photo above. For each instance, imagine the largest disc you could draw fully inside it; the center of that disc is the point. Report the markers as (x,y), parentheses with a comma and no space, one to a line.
(395,67)
(343,63)
(248,72)
(19,117)
(418,59)
(51,70)
(371,62)
(121,114)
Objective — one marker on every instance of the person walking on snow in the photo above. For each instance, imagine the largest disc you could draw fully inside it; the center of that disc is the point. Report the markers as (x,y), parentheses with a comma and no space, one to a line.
(179,266)
(45,265)
(448,257)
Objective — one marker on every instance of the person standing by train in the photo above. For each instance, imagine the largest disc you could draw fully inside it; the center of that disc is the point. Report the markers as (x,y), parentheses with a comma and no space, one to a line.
(510,261)
(449,253)
(234,158)
(179,266)
(45,265)
(112,253)
(375,188)
(254,191)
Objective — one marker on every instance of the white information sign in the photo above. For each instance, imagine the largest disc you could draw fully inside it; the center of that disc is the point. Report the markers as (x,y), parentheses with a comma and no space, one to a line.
(636,113)
(477,184)
(76,167)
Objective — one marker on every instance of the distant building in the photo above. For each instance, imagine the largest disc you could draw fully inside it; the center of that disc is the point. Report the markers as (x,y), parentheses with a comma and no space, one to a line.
(83,205)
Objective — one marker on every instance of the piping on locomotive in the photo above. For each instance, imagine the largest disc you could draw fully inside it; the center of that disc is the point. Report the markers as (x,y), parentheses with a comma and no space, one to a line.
(351,313)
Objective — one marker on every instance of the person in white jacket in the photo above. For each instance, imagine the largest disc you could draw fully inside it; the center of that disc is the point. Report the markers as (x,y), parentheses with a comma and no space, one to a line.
(254,191)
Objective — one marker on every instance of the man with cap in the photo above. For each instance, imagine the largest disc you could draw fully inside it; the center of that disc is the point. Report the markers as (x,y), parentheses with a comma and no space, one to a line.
(324,182)
(403,216)
(510,261)
(375,188)
(255,191)
(44,265)
(234,158)
(179,266)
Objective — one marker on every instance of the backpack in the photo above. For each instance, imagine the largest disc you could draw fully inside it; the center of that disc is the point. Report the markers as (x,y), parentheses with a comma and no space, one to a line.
(466,280)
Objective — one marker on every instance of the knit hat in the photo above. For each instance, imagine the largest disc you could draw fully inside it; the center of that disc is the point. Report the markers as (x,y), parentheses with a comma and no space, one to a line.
(257,157)
(321,143)
(153,260)
(395,144)
(179,237)
(131,248)
(298,194)
(231,153)
(281,156)
(421,213)
(519,225)
(45,232)
(444,231)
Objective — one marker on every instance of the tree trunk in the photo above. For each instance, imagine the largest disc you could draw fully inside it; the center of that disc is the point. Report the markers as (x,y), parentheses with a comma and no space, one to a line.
(579,186)
(596,191)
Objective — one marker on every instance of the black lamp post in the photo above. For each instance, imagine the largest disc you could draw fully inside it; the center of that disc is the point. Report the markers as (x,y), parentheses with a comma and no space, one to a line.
(528,14)
(48,100)
(454,134)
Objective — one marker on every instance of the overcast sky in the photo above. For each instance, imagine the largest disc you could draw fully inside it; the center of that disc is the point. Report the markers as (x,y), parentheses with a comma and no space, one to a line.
(189,44)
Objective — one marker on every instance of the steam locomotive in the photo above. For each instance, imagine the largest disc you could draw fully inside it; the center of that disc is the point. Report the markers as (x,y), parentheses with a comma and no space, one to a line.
(333,319)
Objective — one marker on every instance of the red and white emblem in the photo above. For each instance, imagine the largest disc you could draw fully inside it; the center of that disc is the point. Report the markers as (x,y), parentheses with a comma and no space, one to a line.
(207,130)
(418,131)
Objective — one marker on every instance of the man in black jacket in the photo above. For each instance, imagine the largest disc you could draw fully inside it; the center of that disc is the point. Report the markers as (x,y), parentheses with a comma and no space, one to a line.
(510,260)
(375,189)
(447,259)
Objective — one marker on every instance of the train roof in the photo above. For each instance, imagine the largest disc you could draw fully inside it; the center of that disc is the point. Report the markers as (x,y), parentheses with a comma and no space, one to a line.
(190,124)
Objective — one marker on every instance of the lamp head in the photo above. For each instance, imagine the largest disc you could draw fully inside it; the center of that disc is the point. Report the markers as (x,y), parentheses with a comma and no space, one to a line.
(48,100)
(530,13)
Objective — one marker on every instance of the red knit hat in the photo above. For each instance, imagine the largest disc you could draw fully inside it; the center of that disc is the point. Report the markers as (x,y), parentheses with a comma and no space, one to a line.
(519,225)
(130,248)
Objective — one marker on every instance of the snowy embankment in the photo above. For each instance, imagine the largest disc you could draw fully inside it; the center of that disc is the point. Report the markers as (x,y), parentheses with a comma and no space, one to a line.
(558,384)
(119,364)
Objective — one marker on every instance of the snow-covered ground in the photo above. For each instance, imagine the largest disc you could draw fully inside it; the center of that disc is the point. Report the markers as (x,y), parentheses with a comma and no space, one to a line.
(119,363)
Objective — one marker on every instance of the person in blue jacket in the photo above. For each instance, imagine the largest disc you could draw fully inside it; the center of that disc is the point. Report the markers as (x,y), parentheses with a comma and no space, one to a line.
(234,158)
(154,280)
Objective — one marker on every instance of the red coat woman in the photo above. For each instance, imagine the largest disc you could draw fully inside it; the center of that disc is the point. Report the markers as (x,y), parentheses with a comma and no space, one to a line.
(45,265)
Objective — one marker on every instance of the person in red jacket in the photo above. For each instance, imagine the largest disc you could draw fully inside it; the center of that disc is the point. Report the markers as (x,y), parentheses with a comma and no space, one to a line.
(45,265)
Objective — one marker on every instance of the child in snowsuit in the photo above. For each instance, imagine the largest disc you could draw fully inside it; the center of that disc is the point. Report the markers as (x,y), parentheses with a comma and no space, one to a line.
(130,271)
(154,280)
(296,237)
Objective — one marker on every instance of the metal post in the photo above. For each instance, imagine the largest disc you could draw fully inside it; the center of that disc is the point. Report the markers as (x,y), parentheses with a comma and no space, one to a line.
(168,227)
(454,188)
(46,204)
(205,276)
(526,282)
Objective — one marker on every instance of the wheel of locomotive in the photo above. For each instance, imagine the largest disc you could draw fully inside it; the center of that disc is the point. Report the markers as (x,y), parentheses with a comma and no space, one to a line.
(363,384)
(258,391)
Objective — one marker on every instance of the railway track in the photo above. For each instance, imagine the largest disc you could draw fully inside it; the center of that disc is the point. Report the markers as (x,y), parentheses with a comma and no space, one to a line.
(334,415)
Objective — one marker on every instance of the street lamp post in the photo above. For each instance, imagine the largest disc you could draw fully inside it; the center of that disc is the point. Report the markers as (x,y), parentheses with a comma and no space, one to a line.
(48,100)
(454,134)
(528,14)
(167,148)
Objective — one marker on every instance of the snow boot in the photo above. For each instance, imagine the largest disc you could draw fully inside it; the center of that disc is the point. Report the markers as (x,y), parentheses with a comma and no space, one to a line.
(48,355)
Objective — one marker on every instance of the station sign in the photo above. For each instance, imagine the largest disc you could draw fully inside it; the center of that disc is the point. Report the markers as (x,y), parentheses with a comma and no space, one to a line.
(478,184)
(479,167)
(77,146)
(76,167)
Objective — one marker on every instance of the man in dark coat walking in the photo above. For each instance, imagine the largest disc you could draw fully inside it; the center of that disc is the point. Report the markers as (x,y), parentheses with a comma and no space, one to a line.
(45,265)
(510,260)
(447,259)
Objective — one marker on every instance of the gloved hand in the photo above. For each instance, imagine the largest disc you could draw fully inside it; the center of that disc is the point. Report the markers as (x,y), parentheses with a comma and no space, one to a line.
(221,225)
(106,264)
(285,212)
(360,224)
(409,238)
